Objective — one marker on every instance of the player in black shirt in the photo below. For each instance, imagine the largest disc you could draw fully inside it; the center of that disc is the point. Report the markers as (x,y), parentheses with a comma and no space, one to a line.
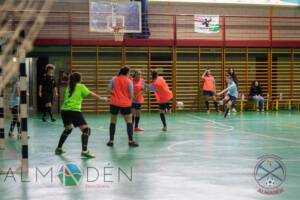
(47,90)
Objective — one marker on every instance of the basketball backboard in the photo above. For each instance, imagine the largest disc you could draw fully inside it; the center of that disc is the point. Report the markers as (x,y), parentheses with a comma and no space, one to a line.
(106,15)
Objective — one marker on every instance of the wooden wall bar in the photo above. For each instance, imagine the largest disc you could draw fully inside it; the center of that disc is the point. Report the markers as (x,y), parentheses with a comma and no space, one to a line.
(277,69)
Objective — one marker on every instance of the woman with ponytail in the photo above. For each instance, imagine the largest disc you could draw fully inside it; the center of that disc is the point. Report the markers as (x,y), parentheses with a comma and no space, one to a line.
(121,90)
(138,98)
(72,116)
(163,96)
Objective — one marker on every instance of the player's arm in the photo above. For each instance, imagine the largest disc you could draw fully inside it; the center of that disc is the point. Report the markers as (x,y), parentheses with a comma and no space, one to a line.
(93,94)
(130,89)
(215,89)
(18,91)
(141,92)
(222,92)
(40,90)
(55,91)
(151,88)
(203,75)
(110,87)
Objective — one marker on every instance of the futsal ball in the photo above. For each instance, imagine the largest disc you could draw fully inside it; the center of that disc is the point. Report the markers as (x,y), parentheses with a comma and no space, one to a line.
(180,105)
(270,182)
(221,103)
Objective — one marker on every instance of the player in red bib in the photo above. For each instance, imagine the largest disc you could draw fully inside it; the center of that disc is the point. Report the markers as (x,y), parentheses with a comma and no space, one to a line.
(138,98)
(163,96)
(209,89)
(121,89)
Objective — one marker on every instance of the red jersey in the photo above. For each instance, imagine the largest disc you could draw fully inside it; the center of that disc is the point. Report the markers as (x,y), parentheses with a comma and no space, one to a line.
(138,87)
(209,83)
(121,87)
(162,92)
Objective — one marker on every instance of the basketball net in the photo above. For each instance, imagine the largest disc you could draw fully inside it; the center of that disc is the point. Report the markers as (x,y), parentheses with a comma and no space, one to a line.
(29,15)
(118,33)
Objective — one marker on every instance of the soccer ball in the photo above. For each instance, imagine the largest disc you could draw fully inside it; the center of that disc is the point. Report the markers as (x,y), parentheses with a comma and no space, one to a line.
(270,182)
(180,105)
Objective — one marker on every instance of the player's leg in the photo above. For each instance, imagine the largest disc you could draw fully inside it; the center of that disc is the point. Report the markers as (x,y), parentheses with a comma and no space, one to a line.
(126,112)
(206,98)
(228,107)
(261,103)
(49,109)
(133,110)
(214,98)
(86,132)
(67,121)
(162,111)
(112,126)
(137,115)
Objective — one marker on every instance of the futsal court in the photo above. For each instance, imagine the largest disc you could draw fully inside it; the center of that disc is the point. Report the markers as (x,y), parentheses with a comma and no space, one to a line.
(203,157)
(149,99)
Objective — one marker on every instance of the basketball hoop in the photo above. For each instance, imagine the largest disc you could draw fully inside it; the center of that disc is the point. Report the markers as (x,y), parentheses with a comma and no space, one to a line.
(118,33)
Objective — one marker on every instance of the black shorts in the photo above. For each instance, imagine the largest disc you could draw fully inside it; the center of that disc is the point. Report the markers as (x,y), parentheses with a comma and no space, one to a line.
(232,98)
(136,106)
(208,93)
(15,110)
(164,106)
(114,110)
(72,117)
(47,97)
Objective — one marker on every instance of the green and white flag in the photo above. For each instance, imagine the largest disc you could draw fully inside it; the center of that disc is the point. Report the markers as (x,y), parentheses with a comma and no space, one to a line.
(206,23)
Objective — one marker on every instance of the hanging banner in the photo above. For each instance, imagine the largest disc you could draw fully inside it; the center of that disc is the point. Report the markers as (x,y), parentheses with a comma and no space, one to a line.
(206,23)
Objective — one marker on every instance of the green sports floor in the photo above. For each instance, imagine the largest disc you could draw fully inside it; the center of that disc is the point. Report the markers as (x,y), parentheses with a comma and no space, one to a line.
(200,157)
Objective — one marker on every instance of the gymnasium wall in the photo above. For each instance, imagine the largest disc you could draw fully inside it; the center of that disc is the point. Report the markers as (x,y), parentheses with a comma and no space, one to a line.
(278,69)
(62,25)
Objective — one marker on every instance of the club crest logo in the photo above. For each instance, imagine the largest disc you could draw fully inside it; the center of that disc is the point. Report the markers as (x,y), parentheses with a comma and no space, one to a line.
(69,175)
(270,174)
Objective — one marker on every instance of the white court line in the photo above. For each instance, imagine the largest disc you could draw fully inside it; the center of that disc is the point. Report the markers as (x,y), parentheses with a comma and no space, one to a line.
(251,133)
(100,128)
(271,137)
(229,128)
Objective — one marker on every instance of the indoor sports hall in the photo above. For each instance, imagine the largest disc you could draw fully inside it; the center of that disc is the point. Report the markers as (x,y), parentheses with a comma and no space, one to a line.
(149,99)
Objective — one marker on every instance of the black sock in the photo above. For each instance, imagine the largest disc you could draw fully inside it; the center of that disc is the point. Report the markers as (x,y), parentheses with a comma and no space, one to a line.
(226,112)
(12,125)
(137,120)
(207,105)
(49,109)
(63,137)
(44,112)
(85,138)
(133,117)
(163,119)
(216,105)
(130,131)
(19,127)
(112,130)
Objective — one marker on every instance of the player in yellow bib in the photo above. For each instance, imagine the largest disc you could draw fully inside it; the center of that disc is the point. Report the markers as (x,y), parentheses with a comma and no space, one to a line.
(71,113)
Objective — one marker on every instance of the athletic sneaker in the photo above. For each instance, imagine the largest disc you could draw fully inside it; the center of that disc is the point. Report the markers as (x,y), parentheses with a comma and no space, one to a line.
(53,120)
(59,151)
(233,110)
(44,119)
(87,154)
(164,129)
(20,136)
(110,144)
(11,135)
(133,144)
(138,129)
